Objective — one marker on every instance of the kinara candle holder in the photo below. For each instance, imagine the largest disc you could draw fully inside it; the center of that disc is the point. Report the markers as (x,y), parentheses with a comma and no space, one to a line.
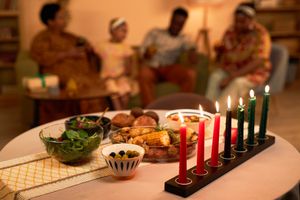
(213,173)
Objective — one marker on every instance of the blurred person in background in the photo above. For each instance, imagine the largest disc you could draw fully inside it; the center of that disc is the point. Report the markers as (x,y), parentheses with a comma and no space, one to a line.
(160,54)
(65,55)
(243,58)
(117,58)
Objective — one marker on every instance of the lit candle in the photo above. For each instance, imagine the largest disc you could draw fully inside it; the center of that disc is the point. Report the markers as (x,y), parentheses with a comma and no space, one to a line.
(182,159)
(240,116)
(200,152)
(251,118)
(215,141)
(227,147)
(264,115)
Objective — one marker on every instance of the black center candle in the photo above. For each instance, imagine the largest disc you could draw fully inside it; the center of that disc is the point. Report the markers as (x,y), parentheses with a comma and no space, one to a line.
(264,115)
(251,118)
(240,116)
(227,147)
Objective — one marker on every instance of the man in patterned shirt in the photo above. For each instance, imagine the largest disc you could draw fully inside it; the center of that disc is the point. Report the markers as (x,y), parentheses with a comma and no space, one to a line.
(160,52)
(243,58)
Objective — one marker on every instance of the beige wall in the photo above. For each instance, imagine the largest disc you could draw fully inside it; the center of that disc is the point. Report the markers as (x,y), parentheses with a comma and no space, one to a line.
(90,18)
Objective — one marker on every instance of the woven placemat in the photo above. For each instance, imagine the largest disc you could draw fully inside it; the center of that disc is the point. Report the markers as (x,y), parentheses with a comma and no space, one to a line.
(37,174)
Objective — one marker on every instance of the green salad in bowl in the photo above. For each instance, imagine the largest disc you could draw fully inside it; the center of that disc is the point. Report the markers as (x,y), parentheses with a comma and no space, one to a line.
(88,123)
(70,146)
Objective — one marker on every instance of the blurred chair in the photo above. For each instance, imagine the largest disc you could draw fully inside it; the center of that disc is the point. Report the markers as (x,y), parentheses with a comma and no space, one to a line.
(279,59)
(182,100)
(25,66)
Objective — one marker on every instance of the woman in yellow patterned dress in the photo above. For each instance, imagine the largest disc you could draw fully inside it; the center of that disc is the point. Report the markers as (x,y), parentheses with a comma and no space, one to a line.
(64,54)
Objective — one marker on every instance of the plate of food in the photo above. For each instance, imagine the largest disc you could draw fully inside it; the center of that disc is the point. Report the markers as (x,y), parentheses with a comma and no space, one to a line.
(160,144)
(191,118)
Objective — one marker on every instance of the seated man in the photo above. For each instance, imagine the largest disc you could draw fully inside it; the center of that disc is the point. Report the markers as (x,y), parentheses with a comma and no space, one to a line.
(64,54)
(160,52)
(242,57)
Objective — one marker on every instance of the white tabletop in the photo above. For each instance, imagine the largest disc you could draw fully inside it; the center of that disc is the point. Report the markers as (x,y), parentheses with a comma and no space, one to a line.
(267,175)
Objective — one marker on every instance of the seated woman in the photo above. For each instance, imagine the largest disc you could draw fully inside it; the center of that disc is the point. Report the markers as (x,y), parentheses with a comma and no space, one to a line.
(242,57)
(64,54)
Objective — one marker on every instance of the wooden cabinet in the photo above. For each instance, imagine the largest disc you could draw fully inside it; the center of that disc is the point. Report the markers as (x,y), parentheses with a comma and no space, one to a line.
(9,40)
(283,22)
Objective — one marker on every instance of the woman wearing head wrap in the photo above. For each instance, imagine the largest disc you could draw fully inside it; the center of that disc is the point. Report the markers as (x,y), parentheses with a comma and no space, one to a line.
(242,57)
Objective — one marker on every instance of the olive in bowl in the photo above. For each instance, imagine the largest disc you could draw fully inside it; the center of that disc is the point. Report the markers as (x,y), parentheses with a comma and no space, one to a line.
(123,159)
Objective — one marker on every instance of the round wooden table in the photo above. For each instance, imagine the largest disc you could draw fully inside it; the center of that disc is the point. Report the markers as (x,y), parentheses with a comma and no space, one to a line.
(268,175)
(73,100)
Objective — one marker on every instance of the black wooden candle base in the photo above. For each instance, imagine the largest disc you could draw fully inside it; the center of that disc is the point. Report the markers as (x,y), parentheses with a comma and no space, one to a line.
(215,172)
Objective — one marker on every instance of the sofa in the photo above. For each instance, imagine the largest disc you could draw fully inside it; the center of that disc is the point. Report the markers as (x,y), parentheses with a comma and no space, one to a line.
(165,88)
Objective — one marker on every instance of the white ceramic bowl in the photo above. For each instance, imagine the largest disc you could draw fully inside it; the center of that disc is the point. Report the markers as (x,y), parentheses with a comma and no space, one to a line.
(187,112)
(123,167)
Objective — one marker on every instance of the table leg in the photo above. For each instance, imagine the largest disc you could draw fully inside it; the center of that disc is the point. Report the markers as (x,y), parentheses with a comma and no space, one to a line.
(36,113)
(110,102)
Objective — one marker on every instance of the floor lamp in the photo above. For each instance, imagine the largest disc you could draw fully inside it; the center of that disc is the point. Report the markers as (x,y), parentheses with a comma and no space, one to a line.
(203,33)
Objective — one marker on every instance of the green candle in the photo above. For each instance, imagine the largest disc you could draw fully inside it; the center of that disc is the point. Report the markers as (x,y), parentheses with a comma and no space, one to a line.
(240,116)
(251,118)
(264,115)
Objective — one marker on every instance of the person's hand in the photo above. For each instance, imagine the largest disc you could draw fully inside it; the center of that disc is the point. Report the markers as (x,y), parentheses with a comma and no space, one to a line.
(150,52)
(229,68)
(128,66)
(82,43)
(89,48)
(76,53)
(225,82)
(219,48)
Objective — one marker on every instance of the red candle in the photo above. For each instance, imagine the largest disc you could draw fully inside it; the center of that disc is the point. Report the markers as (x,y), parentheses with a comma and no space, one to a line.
(182,159)
(215,141)
(200,152)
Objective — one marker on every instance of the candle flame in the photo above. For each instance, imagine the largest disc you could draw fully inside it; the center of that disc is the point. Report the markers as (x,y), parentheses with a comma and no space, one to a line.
(251,93)
(267,88)
(217,106)
(181,117)
(241,101)
(201,110)
(228,102)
